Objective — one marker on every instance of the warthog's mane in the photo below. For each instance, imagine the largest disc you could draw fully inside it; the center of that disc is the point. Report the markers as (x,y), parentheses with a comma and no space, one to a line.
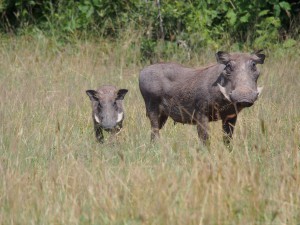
(201,69)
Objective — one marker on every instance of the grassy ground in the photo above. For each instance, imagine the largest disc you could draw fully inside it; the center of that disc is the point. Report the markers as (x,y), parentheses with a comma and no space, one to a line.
(53,171)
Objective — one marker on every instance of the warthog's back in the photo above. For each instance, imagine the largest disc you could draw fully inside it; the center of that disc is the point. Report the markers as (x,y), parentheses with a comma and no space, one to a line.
(173,89)
(159,78)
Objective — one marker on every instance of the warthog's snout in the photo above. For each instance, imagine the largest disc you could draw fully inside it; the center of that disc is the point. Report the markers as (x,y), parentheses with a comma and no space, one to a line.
(244,97)
(108,127)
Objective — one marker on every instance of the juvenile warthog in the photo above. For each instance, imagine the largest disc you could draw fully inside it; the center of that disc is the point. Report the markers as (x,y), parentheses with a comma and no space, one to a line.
(108,113)
(198,96)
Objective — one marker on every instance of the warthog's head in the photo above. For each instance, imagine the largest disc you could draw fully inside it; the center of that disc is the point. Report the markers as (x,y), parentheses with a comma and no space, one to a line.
(107,106)
(238,81)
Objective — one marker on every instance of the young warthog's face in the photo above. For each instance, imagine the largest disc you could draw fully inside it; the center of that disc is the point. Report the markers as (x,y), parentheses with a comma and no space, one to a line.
(107,106)
(238,81)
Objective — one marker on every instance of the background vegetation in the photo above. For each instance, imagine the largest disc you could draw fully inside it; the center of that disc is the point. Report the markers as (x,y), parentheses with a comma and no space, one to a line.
(53,171)
(209,23)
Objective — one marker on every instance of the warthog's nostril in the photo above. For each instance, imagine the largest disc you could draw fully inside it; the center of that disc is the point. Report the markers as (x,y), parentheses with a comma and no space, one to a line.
(244,104)
(108,126)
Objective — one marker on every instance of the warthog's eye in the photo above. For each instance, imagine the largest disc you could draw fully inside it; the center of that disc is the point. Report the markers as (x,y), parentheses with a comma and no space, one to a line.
(228,68)
(253,66)
(115,105)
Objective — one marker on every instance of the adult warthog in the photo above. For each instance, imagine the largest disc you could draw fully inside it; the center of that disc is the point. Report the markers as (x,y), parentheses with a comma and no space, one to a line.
(198,96)
(107,109)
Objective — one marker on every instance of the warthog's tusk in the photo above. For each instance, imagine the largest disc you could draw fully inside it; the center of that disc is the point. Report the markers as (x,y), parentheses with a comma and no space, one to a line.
(120,117)
(223,91)
(97,119)
(259,90)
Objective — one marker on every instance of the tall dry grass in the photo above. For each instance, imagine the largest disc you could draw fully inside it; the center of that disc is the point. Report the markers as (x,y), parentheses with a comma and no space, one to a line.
(53,171)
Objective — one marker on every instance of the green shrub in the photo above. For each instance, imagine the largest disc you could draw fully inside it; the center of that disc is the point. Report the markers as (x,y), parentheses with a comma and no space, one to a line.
(201,23)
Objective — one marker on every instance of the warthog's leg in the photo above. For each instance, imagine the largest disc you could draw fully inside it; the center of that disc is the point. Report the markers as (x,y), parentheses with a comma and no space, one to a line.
(157,122)
(202,128)
(114,132)
(228,128)
(157,118)
(98,133)
(154,120)
(162,120)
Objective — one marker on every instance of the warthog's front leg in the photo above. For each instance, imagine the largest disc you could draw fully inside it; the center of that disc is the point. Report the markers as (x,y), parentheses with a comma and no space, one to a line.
(114,132)
(202,128)
(99,133)
(228,128)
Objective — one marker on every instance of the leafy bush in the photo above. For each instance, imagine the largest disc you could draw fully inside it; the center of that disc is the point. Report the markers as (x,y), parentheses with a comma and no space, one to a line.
(201,23)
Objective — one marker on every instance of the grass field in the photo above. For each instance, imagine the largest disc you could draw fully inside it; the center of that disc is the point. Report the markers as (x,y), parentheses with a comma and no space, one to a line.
(53,171)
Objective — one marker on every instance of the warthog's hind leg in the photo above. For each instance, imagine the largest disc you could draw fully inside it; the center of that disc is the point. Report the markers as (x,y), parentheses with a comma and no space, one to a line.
(154,120)
(157,122)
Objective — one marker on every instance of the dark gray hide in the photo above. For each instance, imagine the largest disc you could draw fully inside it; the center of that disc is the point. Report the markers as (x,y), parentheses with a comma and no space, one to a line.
(198,96)
(108,113)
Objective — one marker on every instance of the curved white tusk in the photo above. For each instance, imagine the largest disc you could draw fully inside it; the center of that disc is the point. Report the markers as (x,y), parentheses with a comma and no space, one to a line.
(259,90)
(97,118)
(120,117)
(223,91)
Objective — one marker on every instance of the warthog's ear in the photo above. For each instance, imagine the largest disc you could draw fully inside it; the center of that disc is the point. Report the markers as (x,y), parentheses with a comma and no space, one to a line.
(259,57)
(121,94)
(223,57)
(92,94)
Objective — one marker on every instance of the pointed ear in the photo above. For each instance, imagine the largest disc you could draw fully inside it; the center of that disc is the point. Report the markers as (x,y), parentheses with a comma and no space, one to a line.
(259,57)
(222,57)
(92,94)
(121,94)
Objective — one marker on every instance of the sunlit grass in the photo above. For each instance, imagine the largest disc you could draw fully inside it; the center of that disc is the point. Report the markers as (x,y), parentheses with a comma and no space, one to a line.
(54,172)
